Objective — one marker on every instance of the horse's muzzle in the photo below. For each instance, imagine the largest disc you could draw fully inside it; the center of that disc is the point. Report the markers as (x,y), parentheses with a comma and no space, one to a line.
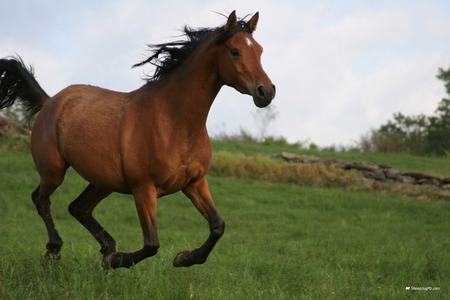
(262,96)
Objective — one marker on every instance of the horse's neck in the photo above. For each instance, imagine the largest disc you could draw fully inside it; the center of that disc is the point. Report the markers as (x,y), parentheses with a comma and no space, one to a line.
(193,89)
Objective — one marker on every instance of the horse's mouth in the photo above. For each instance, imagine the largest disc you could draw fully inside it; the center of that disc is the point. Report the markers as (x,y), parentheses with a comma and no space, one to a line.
(261,103)
(262,97)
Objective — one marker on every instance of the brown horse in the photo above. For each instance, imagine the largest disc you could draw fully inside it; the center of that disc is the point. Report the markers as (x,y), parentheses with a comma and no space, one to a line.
(150,142)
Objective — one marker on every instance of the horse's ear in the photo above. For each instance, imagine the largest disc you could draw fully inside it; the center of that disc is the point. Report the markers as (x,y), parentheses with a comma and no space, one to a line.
(232,21)
(253,22)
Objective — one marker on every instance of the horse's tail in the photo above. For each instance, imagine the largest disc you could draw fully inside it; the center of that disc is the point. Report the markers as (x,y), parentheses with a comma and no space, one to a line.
(17,82)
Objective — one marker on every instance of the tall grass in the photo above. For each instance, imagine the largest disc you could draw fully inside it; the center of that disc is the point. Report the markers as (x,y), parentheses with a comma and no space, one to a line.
(227,164)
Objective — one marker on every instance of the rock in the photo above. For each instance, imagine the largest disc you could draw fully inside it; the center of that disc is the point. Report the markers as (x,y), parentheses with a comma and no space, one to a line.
(291,157)
(429,181)
(445,181)
(362,166)
(392,174)
(377,175)
(418,176)
(408,179)
(309,159)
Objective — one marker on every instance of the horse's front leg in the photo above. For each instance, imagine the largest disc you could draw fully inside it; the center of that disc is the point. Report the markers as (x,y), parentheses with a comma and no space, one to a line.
(145,199)
(201,198)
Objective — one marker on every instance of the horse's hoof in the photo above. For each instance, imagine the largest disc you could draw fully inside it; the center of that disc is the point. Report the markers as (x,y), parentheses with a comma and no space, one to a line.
(117,260)
(181,259)
(187,259)
(110,261)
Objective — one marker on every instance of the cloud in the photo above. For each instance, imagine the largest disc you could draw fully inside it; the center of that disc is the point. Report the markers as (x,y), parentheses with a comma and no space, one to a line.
(347,75)
(339,69)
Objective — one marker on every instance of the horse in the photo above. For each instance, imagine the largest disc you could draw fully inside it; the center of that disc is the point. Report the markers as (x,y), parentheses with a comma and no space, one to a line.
(150,142)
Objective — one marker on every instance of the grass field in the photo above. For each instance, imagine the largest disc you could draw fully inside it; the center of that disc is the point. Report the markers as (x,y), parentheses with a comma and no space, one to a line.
(282,241)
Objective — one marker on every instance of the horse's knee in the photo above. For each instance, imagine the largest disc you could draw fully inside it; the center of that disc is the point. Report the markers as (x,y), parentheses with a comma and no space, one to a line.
(218,228)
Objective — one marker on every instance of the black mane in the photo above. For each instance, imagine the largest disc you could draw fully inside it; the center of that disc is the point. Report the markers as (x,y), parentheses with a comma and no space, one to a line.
(169,56)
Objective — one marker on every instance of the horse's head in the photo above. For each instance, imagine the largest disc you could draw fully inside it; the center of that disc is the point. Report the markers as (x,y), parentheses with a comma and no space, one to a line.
(239,63)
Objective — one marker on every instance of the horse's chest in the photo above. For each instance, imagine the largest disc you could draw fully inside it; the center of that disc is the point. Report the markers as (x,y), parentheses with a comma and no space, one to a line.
(177,178)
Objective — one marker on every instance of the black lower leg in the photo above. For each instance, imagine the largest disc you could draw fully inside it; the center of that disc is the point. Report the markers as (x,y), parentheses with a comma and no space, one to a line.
(199,255)
(127,260)
(55,242)
(81,208)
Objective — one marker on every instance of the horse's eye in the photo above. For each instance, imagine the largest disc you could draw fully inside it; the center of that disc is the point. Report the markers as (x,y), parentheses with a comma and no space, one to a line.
(235,52)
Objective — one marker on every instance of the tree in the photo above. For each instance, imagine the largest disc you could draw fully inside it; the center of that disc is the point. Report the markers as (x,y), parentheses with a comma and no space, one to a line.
(438,138)
(418,134)
(406,133)
(264,118)
(15,113)
(444,75)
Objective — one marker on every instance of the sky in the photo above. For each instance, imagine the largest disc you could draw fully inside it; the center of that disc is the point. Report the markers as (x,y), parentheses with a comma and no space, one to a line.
(341,68)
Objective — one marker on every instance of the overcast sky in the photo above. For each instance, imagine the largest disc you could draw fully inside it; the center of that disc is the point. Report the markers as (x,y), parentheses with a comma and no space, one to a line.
(341,67)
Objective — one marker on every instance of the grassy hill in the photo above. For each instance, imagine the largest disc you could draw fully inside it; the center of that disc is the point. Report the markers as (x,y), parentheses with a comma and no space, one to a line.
(245,160)
(438,166)
(282,240)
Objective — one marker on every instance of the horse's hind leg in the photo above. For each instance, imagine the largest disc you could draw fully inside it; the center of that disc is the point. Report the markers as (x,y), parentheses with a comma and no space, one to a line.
(41,198)
(82,209)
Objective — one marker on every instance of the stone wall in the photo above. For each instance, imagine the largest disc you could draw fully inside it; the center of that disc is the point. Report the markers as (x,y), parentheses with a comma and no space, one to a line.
(373,171)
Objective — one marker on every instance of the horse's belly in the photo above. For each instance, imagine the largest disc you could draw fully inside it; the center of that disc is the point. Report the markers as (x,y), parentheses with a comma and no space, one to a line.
(180,178)
(100,169)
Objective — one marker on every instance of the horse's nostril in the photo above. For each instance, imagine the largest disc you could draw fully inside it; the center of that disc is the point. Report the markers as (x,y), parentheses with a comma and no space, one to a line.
(261,91)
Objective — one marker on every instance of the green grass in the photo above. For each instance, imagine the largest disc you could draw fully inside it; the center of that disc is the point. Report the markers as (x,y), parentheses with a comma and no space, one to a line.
(282,241)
